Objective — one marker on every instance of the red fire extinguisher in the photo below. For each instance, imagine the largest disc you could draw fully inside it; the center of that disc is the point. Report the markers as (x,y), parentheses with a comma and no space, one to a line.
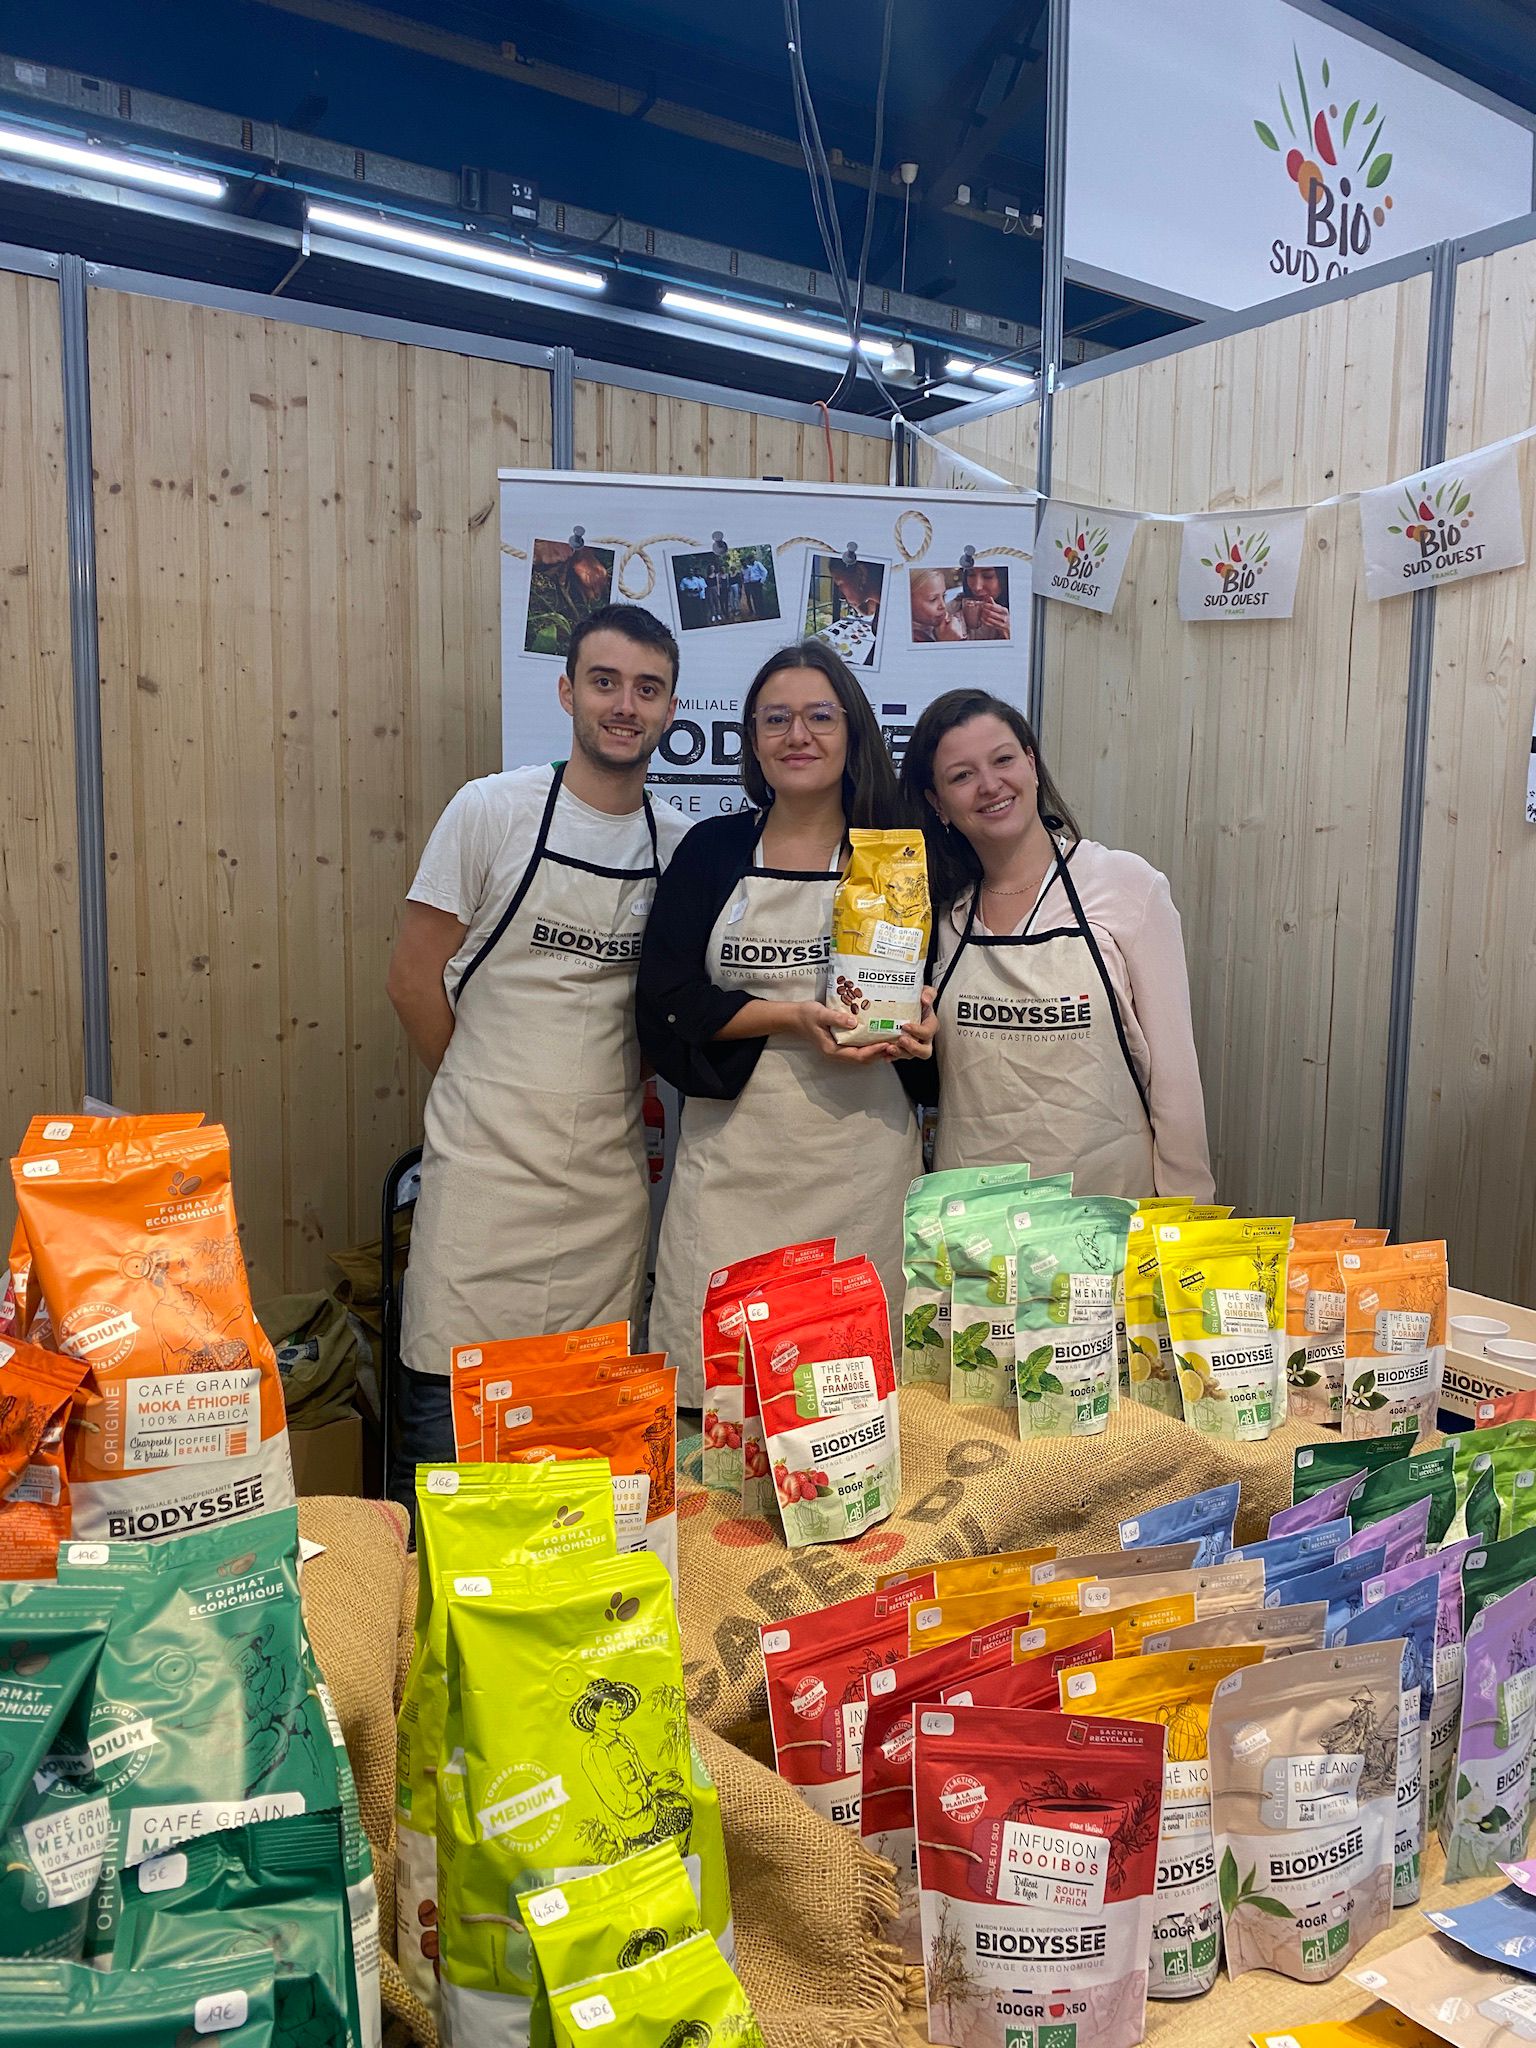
(653,1113)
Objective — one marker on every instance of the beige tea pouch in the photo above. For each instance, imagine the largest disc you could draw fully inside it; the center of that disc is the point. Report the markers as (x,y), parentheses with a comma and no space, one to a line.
(1092,1564)
(1303,1755)
(1458,1997)
(1278,1631)
(1222,1589)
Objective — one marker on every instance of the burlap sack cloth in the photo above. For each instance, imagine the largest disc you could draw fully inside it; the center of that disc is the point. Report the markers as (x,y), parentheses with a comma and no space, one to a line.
(809,1904)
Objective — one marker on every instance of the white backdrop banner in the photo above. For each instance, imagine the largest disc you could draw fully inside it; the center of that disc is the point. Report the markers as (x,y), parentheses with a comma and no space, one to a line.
(1241,565)
(1227,155)
(899,582)
(1081,552)
(1460,519)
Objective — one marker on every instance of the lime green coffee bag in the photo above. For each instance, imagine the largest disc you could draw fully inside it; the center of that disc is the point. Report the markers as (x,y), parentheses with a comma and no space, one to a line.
(686,1997)
(227,1999)
(281,1883)
(566,1748)
(1070,1253)
(470,1519)
(981,1245)
(203,1714)
(611,1919)
(50,1853)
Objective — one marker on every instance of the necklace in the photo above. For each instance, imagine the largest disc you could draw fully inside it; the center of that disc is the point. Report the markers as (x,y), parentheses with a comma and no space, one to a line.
(1024,891)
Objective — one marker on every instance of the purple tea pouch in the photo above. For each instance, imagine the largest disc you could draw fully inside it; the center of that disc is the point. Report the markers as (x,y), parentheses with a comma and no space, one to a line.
(1487,1812)
(1404,1535)
(1326,1505)
(1445,1716)
(1521,1874)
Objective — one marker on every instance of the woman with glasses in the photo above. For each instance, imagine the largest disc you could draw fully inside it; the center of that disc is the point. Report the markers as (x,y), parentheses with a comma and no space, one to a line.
(786,1135)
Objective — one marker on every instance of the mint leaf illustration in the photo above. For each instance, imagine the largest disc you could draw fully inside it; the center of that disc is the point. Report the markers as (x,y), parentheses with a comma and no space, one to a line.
(1228,1882)
(1349,118)
(1266,135)
(1379,171)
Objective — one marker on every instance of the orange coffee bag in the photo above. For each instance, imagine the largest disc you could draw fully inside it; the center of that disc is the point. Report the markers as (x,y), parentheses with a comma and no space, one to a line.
(36,1390)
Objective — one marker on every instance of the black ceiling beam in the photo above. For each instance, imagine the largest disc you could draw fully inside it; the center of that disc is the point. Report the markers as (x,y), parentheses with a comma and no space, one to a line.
(1011,90)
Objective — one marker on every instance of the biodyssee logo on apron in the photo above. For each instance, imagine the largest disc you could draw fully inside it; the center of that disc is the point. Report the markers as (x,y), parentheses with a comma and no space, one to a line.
(1046,1019)
(745,958)
(584,942)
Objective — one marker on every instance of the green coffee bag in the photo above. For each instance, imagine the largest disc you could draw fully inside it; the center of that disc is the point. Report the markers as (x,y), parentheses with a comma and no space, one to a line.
(51,1847)
(470,1519)
(611,1919)
(281,1883)
(1069,1254)
(566,1748)
(981,1245)
(227,1999)
(1404,1481)
(686,1997)
(203,1715)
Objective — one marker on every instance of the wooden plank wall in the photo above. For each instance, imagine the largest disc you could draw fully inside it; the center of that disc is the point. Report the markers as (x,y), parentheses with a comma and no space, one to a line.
(1471,1132)
(298,570)
(1006,442)
(1258,765)
(639,433)
(40,1018)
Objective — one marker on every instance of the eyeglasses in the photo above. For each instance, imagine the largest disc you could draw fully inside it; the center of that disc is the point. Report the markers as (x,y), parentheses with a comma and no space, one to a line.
(819,720)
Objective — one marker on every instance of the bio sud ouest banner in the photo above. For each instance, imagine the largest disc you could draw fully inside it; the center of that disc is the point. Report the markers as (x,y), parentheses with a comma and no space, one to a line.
(1241,565)
(919,591)
(1081,552)
(1222,159)
(1460,519)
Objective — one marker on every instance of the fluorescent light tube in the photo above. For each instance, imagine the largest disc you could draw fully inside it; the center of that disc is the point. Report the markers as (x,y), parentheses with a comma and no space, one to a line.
(985,373)
(756,321)
(398,234)
(106,163)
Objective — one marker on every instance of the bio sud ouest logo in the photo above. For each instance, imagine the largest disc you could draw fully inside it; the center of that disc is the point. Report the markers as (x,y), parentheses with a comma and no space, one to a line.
(1330,170)
(1238,567)
(1082,554)
(1437,525)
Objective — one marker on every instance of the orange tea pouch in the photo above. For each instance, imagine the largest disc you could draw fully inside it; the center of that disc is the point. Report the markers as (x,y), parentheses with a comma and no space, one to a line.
(36,1389)
(1394,1338)
(630,1422)
(970,1574)
(137,1249)
(22,1300)
(476,1371)
(1314,1317)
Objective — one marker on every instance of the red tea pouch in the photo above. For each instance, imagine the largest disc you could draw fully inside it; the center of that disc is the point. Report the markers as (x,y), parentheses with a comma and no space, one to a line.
(885,1803)
(817,1666)
(1030,1680)
(821,1358)
(734,1458)
(1037,1857)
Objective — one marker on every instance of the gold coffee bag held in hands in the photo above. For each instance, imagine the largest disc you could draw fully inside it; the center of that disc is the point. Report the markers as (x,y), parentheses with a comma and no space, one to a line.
(880,924)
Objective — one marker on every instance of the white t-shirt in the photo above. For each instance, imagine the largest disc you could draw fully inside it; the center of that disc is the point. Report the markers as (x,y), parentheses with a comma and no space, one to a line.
(484,840)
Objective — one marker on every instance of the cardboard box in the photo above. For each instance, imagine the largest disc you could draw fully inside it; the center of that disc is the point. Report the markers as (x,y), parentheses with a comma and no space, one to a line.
(1470,1378)
(329,1459)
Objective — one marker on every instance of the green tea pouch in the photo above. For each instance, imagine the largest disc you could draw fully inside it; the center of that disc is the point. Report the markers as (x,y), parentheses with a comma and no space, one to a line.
(1069,1254)
(929,1276)
(277,1882)
(228,1999)
(1491,1572)
(611,1919)
(1316,1466)
(203,1714)
(357,1866)
(50,1850)
(566,1748)
(686,1997)
(1511,1447)
(469,1520)
(1479,1515)
(981,1245)
(1398,1485)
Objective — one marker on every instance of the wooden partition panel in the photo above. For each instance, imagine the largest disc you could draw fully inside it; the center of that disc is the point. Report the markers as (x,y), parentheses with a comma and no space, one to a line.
(299,571)
(1006,442)
(1470,1143)
(645,433)
(40,1020)
(1258,765)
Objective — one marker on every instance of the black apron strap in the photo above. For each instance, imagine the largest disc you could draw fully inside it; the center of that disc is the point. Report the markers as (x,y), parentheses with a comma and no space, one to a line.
(954,958)
(539,844)
(1064,869)
(650,826)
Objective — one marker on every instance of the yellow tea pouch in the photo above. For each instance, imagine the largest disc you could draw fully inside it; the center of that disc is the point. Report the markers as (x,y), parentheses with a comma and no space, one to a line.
(970,1574)
(1377,2027)
(1174,1689)
(931,1622)
(880,924)
(1150,1373)
(1224,1288)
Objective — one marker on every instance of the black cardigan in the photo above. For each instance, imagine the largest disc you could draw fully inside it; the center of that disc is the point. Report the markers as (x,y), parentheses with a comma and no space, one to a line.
(679,1011)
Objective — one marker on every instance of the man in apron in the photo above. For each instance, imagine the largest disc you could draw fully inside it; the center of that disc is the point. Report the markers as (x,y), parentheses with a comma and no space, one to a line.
(514,976)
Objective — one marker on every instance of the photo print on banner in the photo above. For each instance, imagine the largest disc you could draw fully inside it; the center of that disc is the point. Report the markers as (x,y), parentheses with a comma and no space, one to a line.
(1241,565)
(973,601)
(1441,525)
(1081,552)
(845,599)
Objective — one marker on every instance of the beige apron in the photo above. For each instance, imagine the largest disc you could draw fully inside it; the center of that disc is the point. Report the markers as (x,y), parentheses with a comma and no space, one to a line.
(811,1147)
(1033,1061)
(534,1214)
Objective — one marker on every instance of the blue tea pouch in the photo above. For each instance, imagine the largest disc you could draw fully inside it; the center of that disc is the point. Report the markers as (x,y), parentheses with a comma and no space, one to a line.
(1284,1556)
(1412,1615)
(1208,1517)
(1500,1928)
(1341,1584)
